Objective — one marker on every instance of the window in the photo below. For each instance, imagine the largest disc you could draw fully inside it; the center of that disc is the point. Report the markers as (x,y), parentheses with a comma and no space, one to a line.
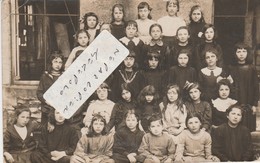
(41,27)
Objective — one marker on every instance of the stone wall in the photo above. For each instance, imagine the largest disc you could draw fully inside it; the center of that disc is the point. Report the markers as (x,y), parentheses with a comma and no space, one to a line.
(103,8)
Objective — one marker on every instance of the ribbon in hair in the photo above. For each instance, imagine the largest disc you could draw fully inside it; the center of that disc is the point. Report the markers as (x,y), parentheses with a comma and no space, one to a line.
(229,78)
(98,115)
(187,85)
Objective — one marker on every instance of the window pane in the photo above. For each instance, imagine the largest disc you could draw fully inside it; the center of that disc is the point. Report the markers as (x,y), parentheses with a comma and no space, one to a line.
(230,7)
(39,35)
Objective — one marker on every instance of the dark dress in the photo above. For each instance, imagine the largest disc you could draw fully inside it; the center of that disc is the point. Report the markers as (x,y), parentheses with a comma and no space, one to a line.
(232,144)
(126,142)
(137,46)
(247,91)
(179,75)
(162,49)
(200,50)
(19,149)
(147,110)
(208,81)
(62,138)
(118,114)
(156,78)
(195,28)
(118,31)
(46,82)
(134,78)
(175,50)
(204,110)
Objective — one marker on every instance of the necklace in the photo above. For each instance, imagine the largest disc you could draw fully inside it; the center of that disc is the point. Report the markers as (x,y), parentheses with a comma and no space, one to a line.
(128,79)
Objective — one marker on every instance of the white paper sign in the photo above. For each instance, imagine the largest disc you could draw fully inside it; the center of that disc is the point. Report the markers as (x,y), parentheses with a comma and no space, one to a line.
(85,74)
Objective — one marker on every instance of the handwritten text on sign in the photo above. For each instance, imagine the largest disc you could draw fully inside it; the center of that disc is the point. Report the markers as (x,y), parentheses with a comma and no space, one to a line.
(85,74)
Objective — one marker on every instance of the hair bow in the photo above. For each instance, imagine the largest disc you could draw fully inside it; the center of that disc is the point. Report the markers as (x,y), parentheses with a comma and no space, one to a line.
(229,78)
(187,85)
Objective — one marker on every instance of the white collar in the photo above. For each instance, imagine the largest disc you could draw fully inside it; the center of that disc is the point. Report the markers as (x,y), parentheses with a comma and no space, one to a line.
(222,105)
(217,71)
(126,40)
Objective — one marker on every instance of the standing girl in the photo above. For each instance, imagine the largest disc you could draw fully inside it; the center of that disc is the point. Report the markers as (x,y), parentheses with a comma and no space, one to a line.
(207,76)
(102,105)
(223,102)
(128,74)
(128,139)
(194,143)
(18,138)
(171,22)
(196,25)
(96,146)
(157,44)
(173,112)
(246,84)
(54,71)
(144,21)
(120,109)
(148,103)
(90,21)
(182,72)
(82,38)
(57,145)
(118,22)
(195,105)
(153,74)
(133,43)
(209,42)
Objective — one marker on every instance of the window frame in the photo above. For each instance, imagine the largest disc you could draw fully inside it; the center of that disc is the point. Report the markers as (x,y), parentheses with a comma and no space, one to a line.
(15,53)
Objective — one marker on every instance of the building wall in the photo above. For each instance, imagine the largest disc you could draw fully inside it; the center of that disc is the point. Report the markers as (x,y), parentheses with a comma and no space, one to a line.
(104,8)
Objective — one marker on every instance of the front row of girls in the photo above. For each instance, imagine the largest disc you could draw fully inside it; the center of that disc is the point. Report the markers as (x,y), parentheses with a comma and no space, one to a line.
(231,141)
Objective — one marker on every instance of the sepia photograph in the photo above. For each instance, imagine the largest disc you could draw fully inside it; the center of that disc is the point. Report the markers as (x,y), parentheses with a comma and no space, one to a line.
(130,81)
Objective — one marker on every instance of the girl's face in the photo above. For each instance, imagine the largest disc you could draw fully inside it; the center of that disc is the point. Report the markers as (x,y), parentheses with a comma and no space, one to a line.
(131,122)
(153,63)
(57,64)
(172,9)
(59,118)
(98,126)
(196,15)
(183,35)
(241,55)
(156,33)
(211,59)
(91,22)
(224,91)
(143,13)
(129,62)
(23,119)
(131,31)
(209,34)
(194,124)
(126,95)
(149,98)
(118,14)
(83,39)
(195,94)
(172,95)
(156,128)
(105,27)
(183,59)
(234,117)
(102,93)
